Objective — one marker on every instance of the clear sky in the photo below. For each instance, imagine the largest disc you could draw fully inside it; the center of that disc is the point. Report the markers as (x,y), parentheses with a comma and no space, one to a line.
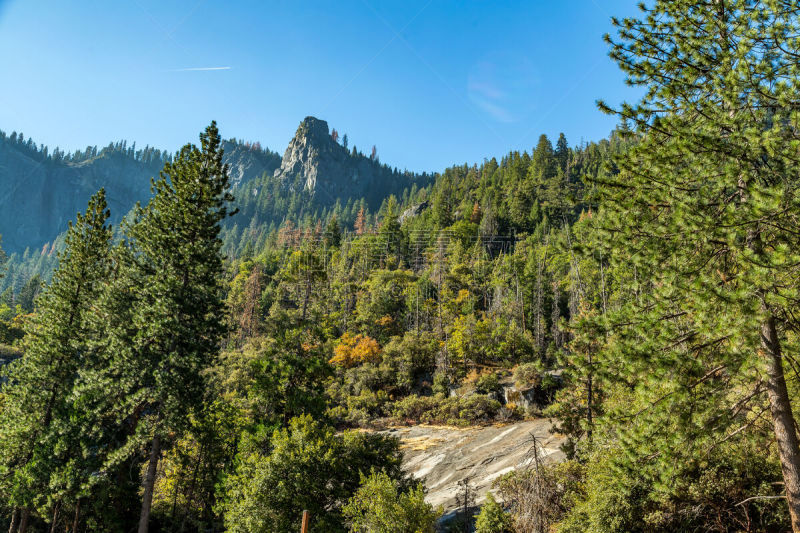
(430,82)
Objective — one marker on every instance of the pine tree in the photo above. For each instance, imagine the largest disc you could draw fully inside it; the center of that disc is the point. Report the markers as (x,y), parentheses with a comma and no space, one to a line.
(28,293)
(7,297)
(492,518)
(547,178)
(333,234)
(476,215)
(249,320)
(175,266)
(561,152)
(542,160)
(3,256)
(36,417)
(705,208)
(390,236)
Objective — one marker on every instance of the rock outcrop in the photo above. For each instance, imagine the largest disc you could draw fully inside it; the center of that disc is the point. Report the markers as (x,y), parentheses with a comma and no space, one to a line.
(247,162)
(315,162)
(442,456)
(413,211)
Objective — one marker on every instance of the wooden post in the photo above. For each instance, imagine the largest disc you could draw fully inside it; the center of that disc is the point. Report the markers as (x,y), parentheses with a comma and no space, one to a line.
(306,517)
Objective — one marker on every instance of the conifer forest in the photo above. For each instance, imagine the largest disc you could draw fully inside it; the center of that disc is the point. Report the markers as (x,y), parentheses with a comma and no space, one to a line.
(224,338)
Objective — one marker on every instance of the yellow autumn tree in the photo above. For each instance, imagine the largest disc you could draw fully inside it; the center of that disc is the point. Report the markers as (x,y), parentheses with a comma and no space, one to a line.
(355,349)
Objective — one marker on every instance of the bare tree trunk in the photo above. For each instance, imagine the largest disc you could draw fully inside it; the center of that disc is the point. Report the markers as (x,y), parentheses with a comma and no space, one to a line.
(782,419)
(149,482)
(589,400)
(555,317)
(192,485)
(539,328)
(14,521)
(55,518)
(175,498)
(306,298)
(23,526)
(77,516)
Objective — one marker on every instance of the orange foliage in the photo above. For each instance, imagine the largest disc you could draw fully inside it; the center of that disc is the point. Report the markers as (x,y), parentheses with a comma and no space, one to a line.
(385,320)
(355,349)
(307,347)
(361,222)
(476,213)
(462,296)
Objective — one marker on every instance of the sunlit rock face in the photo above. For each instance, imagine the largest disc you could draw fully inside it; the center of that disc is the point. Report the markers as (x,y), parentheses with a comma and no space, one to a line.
(441,457)
(314,161)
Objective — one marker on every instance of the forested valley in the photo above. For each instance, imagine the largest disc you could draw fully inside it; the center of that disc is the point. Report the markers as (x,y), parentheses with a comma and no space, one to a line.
(224,358)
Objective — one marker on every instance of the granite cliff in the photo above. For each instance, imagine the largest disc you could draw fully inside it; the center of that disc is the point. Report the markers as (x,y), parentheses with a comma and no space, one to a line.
(317,163)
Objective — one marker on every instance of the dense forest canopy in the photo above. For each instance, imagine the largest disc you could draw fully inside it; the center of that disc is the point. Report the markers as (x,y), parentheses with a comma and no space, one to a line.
(224,358)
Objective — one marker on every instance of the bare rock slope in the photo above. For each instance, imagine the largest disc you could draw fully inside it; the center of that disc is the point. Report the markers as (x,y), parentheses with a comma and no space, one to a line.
(443,456)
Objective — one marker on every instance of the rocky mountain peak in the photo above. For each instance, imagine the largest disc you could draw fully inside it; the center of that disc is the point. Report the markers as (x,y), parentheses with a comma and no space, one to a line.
(315,162)
(313,128)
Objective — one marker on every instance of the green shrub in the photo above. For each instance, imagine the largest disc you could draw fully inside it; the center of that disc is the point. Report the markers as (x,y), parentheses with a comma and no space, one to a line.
(310,467)
(441,383)
(487,383)
(703,495)
(380,506)
(415,407)
(439,410)
(492,518)
(527,375)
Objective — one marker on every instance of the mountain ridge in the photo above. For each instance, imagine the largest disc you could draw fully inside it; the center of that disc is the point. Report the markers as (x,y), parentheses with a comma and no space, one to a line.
(43,191)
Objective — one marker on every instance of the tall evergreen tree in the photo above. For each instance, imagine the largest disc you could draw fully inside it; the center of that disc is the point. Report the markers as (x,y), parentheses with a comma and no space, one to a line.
(333,234)
(36,416)
(706,209)
(562,152)
(178,312)
(28,293)
(389,234)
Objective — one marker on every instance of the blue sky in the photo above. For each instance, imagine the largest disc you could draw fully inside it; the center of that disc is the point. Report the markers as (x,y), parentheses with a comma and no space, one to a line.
(430,83)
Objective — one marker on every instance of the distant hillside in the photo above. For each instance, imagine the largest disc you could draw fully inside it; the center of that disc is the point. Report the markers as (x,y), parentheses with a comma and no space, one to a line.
(317,178)
(42,190)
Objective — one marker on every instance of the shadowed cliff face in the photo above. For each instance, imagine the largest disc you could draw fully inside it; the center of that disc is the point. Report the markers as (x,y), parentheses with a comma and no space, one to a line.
(39,195)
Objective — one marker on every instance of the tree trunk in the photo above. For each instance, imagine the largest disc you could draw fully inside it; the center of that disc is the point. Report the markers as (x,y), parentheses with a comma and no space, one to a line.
(14,521)
(77,516)
(23,526)
(55,518)
(192,485)
(306,298)
(589,401)
(782,419)
(149,482)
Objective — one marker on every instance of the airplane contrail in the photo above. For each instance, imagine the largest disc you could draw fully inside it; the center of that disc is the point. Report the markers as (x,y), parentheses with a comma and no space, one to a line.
(200,68)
